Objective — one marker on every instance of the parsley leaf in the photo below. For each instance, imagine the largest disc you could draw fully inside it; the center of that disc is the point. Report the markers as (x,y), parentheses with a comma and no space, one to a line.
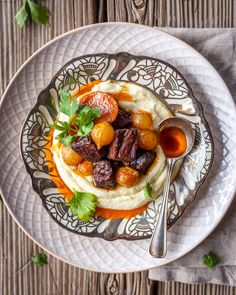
(40,259)
(211,259)
(61,126)
(148,190)
(85,129)
(64,137)
(36,12)
(21,15)
(61,135)
(81,125)
(83,205)
(86,114)
(68,140)
(67,107)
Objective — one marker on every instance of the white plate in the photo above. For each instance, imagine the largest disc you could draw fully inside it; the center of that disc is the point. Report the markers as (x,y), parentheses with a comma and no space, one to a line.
(213,198)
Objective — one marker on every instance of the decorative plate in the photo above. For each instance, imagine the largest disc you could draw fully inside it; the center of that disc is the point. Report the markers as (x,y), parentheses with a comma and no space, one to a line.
(168,84)
(120,255)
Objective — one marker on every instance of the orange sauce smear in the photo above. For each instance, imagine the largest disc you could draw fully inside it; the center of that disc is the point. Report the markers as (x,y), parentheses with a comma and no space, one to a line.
(53,173)
(114,214)
(121,96)
(75,169)
(67,193)
(173,141)
(83,89)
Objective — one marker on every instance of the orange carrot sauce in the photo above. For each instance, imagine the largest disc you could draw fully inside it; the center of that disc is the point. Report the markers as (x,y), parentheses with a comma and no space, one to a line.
(75,169)
(83,89)
(173,141)
(53,173)
(114,214)
(122,96)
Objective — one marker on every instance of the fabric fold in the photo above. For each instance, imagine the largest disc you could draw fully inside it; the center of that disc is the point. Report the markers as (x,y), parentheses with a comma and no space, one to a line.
(218,46)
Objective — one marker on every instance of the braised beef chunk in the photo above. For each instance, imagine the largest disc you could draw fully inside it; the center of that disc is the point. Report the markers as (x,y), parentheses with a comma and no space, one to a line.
(103,174)
(87,149)
(143,161)
(124,146)
(122,120)
(116,164)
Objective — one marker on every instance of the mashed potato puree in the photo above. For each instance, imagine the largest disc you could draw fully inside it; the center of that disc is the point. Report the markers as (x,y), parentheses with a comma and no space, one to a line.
(121,198)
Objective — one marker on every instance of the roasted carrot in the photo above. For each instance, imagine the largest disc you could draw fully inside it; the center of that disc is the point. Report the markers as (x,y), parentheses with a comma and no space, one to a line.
(106,103)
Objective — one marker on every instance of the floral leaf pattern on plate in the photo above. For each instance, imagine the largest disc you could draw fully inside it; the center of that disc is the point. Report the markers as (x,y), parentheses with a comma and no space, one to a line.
(154,74)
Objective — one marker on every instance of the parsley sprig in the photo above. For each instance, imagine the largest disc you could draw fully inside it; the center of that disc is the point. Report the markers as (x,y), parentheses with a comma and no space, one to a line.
(83,205)
(36,12)
(39,259)
(64,137)
(211,259)
(148,190)
(86,115)
(80,118)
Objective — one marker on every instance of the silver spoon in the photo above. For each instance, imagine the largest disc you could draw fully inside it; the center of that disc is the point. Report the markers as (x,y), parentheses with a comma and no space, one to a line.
(158,245)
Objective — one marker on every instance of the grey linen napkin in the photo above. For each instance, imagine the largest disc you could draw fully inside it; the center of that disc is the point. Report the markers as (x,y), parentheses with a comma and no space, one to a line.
(219,47)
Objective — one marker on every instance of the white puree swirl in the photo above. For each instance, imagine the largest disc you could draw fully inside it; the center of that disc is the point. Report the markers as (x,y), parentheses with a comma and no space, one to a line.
(121,198)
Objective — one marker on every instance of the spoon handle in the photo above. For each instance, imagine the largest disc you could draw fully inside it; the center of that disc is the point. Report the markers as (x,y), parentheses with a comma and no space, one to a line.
(158,242)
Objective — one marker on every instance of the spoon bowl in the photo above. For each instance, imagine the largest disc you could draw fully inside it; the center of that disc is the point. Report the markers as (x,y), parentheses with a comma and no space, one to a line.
(184,126)
(158,245)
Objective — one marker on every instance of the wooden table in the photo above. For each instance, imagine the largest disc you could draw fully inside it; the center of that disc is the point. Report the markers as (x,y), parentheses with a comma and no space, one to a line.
(17,274)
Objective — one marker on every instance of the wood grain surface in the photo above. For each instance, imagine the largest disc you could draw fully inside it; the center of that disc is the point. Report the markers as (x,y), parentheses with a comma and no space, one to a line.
(18,276)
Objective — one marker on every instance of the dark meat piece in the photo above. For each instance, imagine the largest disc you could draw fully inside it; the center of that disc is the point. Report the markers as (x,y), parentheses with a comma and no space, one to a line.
(86,148)
(124,146)
(116,164)
(143,161)
(103,174)
(122,120)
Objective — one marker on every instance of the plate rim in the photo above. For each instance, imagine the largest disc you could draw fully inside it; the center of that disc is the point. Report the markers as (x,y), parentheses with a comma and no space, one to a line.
(51,84)
(104,24)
